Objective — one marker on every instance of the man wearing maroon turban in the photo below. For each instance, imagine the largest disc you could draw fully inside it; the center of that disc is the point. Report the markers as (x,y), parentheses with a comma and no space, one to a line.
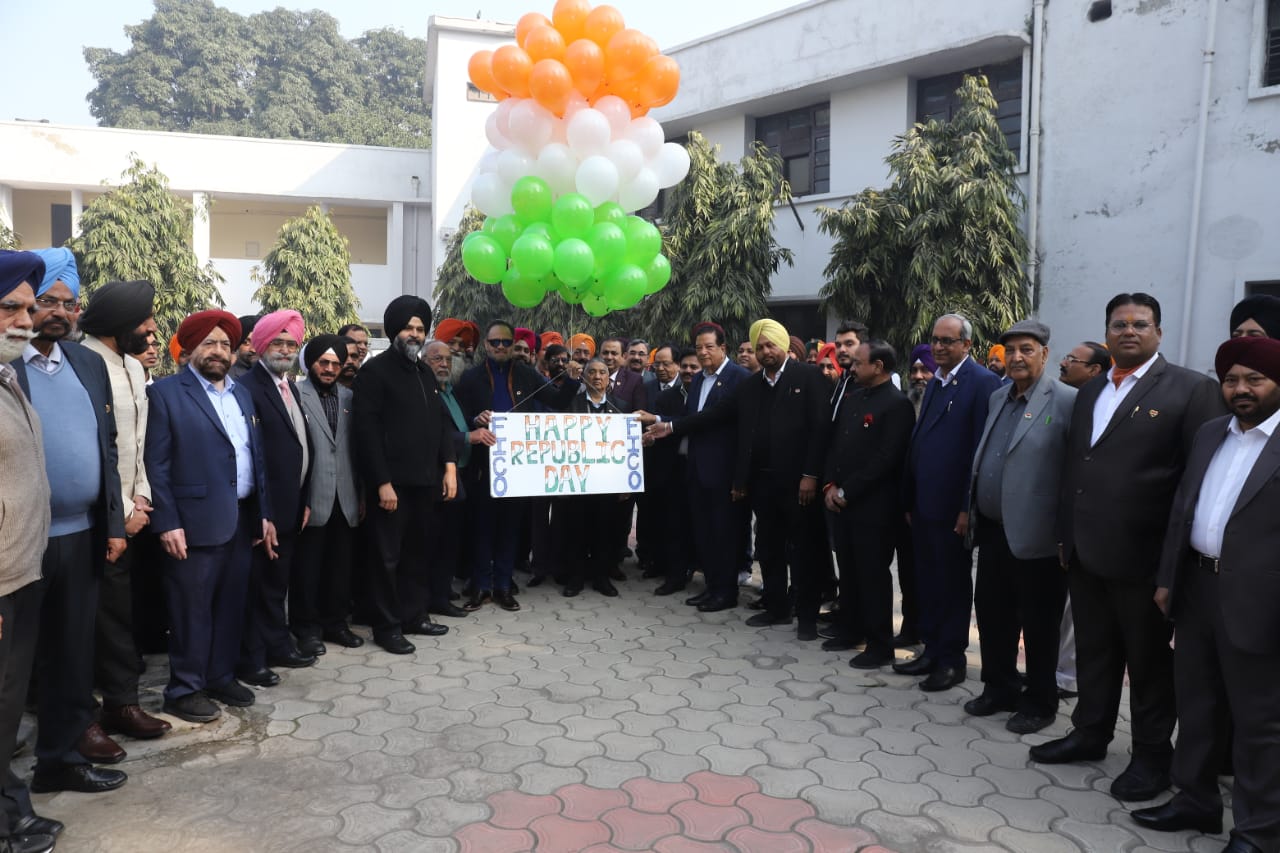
(1217,582)
(204,459)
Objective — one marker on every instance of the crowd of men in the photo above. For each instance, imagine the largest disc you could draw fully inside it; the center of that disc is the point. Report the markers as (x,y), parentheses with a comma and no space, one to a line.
(289,485)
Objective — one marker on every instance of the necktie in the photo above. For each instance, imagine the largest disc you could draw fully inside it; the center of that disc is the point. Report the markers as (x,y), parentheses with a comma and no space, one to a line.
(284,393)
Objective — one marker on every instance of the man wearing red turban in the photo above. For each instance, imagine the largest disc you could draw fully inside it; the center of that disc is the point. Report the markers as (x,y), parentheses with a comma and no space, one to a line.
(462,336)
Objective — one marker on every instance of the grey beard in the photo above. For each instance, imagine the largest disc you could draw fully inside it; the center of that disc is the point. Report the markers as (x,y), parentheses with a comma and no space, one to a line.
(409,349)
(13,342)
(915,393)
(279,364)
(457,366)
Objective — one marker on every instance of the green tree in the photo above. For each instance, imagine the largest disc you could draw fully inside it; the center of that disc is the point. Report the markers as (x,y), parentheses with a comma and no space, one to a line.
(197,67)
(309,270)
(942,237)
(9,239)
(140,230)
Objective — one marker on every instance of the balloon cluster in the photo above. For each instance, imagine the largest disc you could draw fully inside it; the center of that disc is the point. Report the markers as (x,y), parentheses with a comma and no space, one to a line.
(573,153)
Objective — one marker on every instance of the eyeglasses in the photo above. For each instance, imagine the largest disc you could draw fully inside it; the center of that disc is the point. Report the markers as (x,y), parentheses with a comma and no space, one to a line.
(281,343)
(1074,360)
(501,342)
(49,303)
(1140,327)
(946,342)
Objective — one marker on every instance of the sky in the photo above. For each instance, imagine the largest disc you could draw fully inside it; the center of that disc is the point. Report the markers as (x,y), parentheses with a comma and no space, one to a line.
(48,78)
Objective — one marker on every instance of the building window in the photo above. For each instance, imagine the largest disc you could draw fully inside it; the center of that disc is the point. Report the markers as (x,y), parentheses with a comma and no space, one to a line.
(805,320)
(937,98)
(59,224)
(1270,288)
(801,139)
(1271,45)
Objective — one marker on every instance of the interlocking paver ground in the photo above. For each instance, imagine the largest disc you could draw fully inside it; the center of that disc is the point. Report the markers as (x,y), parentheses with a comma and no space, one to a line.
(623,724)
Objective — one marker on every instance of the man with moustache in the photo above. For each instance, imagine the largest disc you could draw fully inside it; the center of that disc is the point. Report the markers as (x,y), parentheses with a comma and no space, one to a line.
(246,355)
(996,360)
(1131,432)
(582,347)
(525,347)
(204,458)
(69,387)
(406,459)
(665,502)
(359,337)
(624,386)
(638,356)
(1256,316)
(1085,361)
(462,336)
(919,372)
(320,578)
(119,326)
(1217,581)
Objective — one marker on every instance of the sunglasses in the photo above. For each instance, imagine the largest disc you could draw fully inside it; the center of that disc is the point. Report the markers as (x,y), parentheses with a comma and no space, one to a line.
(501,342)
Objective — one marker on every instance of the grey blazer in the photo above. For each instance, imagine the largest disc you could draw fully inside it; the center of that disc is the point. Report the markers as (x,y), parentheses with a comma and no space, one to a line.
(1033,468)
(332,465)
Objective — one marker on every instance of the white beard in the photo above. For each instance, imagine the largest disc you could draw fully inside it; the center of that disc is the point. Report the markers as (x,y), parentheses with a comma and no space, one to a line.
(13,342)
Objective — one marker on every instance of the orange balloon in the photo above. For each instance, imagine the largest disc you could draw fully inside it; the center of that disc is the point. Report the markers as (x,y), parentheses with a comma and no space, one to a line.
(511,69)
(570,17)
(529,21)
(585,61)
(659,80)
(544,43)
(626,54)
(603,23)
(550,85)
(480,68)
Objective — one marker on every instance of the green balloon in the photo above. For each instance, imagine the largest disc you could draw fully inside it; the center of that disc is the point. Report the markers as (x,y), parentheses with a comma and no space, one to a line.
(572,215)
(644,241)
(522,292)
(571,297)
(574,261)
(531,198)
(484,258)
(533,255)
(487,225)
(611,211)
(595,306)
(505,230)
(552,283)
(658,273)
(625,287)
(544,229)
(608,244)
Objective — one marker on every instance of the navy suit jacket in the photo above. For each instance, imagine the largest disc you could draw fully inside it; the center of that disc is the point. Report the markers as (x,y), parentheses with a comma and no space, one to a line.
(944,440)
(191,463)
(281,448)
(713,451)
(628,389)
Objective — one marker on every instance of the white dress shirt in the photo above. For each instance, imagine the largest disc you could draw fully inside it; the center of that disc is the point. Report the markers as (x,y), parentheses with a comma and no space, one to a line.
(708,382)
(774,381)
(1223,480)
(947,378)
(1111,397)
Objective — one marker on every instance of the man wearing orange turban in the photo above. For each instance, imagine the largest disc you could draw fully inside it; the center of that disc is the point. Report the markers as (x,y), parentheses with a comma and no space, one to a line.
(462,336)
(827,363)
(582,347)
(995,360)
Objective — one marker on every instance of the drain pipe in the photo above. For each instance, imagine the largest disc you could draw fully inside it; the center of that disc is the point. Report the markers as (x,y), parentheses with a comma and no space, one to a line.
(1033,152)
(1197,184)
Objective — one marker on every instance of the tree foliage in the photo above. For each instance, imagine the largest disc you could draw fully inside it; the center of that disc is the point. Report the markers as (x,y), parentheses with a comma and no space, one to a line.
(942,237)
(140,230)
(9,239)
(309,270)
(198,67)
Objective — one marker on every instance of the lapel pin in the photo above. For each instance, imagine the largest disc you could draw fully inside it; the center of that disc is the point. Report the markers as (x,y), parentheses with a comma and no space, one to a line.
(107,407)
(1028,416)
(1153,413)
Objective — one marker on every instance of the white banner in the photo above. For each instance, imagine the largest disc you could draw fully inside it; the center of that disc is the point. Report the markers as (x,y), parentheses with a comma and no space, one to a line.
(539,454)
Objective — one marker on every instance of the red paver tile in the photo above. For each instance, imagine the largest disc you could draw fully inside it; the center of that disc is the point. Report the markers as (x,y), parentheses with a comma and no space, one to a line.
(514,810)
(636,830)
(676,844)
(773,814)
(648,795)
(483,838)
(721,790)
(829,838)
(558,834)
(748,839)
(582,802)
(709,823)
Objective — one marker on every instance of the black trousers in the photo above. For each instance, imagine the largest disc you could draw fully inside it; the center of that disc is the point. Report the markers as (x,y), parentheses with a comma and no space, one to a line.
(1018,597)
(398,590)
(865,552)
(117,665)
(448,527)
(20,611)
(146,585)
(1118,626)
(543,560)
(717,533)
(944,578)
(591,533)
(906,553)
(320,583)
(64,653)
(266,625)
(1217,682)
(788,535)
(671,539)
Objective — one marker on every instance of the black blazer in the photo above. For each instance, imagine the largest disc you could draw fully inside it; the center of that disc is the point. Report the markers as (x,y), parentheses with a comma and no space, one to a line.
(474,393)
(403,433)
(662,458)
(628,390)
(1249,579)
(798,426)
(580,405)
(868,453)
(91,370)
(712,438)
(1117,494)
(281,449)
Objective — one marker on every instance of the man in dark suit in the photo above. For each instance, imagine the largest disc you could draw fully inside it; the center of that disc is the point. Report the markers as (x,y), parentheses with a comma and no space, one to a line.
(665,502)
(286,449)
(1131,432)
(208,477)
(937,497)
(625,385)
(69,387)
(863,496)
(1218,581)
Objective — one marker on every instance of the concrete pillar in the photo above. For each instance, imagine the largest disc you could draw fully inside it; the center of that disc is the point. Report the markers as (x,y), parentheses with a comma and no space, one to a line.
(324,207)
(77,208)
(395,249)
(6,205)
(200,242)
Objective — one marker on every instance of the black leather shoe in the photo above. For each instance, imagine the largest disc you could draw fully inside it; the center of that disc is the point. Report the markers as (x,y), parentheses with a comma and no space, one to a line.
(35,825)
(424,628)
(453,611)
(572,590)
(651,572)
(943,678)
(1177,815)
(919,665)
(764,618)
(1022,723)
(477,600)
(313,646)
(1240,845)
(606,589)
(669,588)
(344,637)
(871,660)
(84,778)
(394,643)
(758,604)
(716,603)
(695,600)
(807,632)
(36,843)
(258,677)
(291,660)
(232,693)
(986,705)
(505,599)
(905,641)
(1145,778)
(536,580)
(838,644)
(193,707)
(1065,750)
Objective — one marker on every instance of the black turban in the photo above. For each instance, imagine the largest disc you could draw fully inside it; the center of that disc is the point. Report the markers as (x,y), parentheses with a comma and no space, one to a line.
(19,267)
(1263,309)
(401,310)
(247,322)
(321,344)
(1260,354)
(117,308)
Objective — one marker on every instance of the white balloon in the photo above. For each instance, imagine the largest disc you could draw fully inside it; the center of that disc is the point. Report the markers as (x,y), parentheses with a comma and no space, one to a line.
(560,126)
(514,164)
(495,136)
(558,167)
(617,112)
(671,164)
(503,115)
(491,195)
(588,133)
(576,104)
(639,192)
(597,179)
(488,161)
(647,133)
(626,155)
(530,124)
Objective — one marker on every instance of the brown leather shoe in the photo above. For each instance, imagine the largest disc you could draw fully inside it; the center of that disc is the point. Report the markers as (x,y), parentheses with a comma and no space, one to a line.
(134,722)
(98,747)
